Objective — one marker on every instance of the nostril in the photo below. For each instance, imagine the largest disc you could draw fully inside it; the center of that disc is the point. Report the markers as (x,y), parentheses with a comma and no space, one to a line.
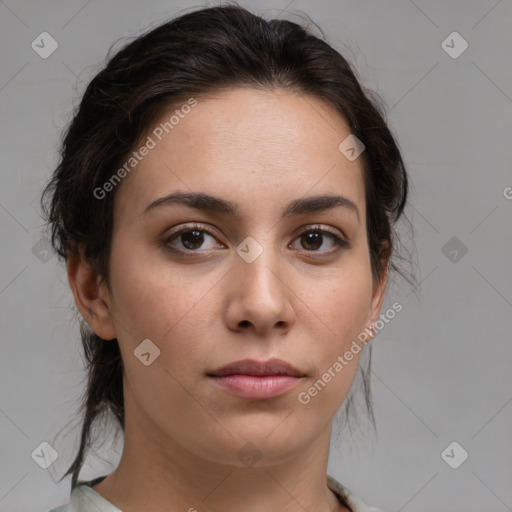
(244,323)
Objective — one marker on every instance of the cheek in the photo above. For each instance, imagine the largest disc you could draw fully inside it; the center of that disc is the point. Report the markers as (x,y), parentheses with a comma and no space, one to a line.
(335,308)
(342,301)
(155,300)
(170,309)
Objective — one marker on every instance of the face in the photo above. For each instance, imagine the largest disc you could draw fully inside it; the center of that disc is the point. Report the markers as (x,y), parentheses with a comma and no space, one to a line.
(249,277)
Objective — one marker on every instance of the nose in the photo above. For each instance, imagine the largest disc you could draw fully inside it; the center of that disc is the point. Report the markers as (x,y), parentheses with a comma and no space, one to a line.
(259,296)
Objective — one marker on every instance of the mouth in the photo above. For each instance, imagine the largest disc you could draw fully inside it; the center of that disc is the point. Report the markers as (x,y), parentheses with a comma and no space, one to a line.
(253,380)
(272,367)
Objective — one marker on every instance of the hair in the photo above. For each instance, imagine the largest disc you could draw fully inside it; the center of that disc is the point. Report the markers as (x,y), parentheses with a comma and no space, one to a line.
(203,51)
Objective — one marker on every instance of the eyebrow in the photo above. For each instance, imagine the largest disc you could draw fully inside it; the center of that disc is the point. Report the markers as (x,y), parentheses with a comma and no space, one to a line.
(206,202)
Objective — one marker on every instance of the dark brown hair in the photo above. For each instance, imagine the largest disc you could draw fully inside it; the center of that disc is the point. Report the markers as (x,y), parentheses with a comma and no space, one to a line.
(203,51)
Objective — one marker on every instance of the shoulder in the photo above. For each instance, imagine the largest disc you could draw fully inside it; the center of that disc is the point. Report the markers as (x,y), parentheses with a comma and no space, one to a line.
(85,499)
(355,503)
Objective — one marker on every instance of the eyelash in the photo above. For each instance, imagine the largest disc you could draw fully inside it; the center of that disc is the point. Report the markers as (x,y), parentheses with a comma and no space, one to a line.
(339,242)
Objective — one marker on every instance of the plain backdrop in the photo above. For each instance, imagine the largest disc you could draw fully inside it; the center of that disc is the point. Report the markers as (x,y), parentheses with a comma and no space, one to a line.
(441,367)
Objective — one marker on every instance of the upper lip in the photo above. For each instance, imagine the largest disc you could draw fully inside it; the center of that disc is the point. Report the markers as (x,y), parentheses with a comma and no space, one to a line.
(253,367)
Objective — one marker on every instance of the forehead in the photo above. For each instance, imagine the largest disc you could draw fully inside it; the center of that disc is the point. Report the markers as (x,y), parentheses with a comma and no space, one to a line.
(245,145)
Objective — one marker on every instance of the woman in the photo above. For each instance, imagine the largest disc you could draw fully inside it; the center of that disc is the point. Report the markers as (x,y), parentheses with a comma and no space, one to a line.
(225,205)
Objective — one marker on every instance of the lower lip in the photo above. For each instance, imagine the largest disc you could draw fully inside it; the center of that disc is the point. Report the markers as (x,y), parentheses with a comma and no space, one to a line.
(252,387)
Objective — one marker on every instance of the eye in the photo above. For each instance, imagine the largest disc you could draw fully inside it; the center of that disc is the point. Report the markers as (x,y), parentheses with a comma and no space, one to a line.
(191,238)
(312,240)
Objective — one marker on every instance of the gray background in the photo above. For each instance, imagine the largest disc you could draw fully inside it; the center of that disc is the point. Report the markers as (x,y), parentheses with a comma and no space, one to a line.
(441,368)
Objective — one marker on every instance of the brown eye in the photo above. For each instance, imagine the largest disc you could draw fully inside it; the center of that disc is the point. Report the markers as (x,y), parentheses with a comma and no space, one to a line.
(312,240)
(191,239)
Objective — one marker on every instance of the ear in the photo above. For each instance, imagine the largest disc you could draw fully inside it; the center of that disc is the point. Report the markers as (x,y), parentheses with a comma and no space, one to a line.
(91,298)
(379,288)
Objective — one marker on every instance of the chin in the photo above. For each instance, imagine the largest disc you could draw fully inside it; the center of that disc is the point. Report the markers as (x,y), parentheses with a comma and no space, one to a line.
(254,446)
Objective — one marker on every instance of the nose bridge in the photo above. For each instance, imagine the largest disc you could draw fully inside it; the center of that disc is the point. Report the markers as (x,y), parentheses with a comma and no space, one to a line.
(260,288)
(258,263)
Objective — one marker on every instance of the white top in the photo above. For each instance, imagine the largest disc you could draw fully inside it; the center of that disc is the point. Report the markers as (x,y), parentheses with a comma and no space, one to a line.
(85,499)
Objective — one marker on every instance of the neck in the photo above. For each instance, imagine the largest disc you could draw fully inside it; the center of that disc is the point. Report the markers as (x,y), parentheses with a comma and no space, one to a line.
(175,478)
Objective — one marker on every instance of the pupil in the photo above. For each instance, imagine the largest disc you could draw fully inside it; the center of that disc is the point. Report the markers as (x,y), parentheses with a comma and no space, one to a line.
(196,238)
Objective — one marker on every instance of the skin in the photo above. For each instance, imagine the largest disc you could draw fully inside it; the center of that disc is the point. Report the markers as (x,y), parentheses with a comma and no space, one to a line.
(259,149)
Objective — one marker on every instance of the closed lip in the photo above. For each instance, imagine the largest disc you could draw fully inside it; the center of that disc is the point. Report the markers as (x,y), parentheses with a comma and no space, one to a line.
(257,368)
